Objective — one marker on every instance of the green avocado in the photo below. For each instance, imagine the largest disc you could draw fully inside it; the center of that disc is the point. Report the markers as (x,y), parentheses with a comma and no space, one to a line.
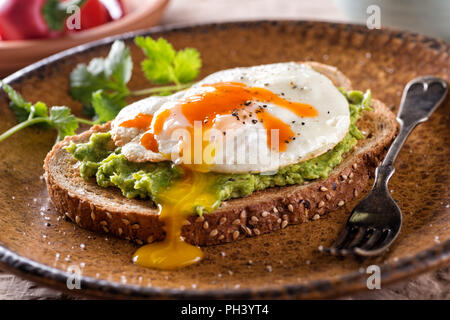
(100,158)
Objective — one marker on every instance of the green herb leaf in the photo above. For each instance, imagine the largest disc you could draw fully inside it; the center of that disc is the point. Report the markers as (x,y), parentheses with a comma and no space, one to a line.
(55,12)
(40,109)
(187,65)
(22,112)
(110,74)
(21,108)
(164,65)
(38,115)
(15,97)
(158,67)
(65,122)
(118,64)
(106,106)
(54,17)
(84,80)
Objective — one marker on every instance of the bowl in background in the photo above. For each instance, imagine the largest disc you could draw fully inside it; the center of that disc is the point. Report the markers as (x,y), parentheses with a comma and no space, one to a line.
(17,54)
(431,17)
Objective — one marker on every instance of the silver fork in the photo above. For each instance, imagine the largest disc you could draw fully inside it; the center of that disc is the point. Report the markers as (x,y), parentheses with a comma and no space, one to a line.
(375,222)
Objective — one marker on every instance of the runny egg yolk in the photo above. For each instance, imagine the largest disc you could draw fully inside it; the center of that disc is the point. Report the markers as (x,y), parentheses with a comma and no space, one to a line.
(175,205)
(226,98)
(179,201)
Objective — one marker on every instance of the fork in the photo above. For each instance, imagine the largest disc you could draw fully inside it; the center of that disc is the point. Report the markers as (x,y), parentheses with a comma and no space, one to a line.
(375,222)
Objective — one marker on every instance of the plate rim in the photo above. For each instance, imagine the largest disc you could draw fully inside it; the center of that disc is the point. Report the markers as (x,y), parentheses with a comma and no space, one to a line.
(52,277)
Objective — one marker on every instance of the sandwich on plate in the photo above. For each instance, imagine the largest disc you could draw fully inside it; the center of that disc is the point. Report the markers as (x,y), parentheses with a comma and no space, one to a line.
(243,152)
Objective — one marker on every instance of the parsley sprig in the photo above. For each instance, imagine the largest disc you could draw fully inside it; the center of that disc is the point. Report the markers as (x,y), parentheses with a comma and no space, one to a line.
(164,65)
(28,114)
(106,77)
(102,85)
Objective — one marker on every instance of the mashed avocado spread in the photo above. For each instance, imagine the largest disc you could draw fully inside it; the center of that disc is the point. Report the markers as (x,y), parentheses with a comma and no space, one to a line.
(100,158)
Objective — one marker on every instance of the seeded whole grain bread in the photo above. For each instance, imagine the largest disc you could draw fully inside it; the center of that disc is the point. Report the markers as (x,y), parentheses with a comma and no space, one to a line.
(107,210)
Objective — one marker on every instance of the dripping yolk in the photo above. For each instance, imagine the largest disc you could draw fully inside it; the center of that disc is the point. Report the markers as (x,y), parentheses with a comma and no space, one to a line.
(194,190)
(175,205)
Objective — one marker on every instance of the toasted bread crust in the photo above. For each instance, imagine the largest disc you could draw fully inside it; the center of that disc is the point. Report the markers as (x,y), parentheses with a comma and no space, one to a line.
(107,211)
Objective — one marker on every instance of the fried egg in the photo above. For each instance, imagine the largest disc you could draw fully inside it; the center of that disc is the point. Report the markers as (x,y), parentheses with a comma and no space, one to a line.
(241,120)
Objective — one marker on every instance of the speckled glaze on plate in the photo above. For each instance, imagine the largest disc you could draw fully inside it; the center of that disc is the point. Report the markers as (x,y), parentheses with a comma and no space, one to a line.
(37,244)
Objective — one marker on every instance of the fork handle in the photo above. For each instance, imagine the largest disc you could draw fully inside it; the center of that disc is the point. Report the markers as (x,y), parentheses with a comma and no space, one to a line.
(420,98)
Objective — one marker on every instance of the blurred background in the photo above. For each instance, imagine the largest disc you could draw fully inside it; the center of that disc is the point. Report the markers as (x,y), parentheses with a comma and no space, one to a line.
(33,29)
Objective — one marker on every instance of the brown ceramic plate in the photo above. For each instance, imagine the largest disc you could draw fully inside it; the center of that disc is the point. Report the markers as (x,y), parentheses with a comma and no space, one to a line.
(38,245)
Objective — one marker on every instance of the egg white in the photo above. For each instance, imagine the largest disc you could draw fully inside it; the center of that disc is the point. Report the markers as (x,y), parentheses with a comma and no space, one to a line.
(292,81)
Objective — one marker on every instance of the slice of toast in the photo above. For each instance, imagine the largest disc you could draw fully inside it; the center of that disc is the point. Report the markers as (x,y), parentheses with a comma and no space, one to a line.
(107,210)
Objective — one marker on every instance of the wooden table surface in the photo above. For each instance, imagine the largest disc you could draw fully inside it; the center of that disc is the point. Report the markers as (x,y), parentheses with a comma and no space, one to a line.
(433,285)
